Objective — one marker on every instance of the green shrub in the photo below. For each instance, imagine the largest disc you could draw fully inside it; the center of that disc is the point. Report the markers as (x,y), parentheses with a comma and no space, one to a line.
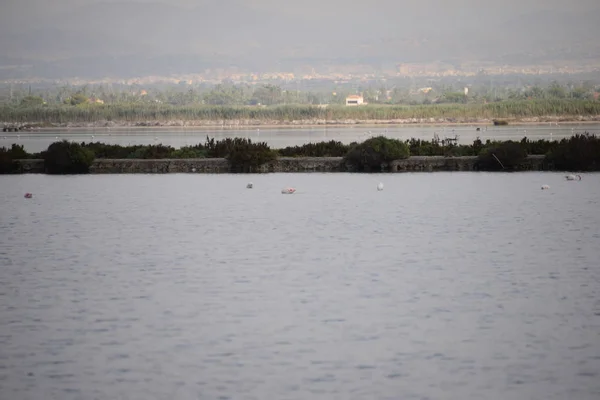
(152,152)
(189,152)
(113,151)
(578,153)
(18,152)
(321,149)
(477,146)
(459,151)
(538,147)
(501,156)
(67,158)
(8,165)
(375,154)
(419,147)
(241,153)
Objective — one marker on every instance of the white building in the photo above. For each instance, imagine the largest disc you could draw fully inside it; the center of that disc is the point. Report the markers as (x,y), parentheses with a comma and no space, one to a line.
(354,100)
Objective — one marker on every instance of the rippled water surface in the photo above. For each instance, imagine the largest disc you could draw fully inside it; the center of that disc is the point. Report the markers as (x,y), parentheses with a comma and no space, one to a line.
(441,286)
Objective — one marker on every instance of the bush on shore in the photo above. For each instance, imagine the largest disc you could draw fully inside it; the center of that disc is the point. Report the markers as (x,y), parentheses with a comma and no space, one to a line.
(332,148)
(501,156)
(375,154)
(8,158)
(67,158)
(578,153)
(241,153)
(115,151)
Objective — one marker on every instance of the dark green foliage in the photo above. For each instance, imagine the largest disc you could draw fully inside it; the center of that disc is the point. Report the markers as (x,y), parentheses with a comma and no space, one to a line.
(454,150)
(113,151)
(578,153)
(67,158)
(321,149)
(6,162)
(374,154)
(197,151)
(18,152)
(152,152)
(419,147)
(241,153)
(501,156)
(540,147)
(477,146)
(8,157)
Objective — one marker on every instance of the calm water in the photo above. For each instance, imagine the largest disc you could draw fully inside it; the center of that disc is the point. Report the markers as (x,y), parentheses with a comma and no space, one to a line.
(442,286)
(282,137)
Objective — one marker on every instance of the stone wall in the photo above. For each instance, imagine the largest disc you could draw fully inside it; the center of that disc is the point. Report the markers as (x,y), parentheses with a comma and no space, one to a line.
(283,164)
(30,166)
(305,164)
(164,166)
(434,163)
(439,163)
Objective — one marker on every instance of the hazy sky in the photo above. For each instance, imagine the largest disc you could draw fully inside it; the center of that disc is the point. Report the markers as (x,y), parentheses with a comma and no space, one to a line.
(21,10)
(307,28)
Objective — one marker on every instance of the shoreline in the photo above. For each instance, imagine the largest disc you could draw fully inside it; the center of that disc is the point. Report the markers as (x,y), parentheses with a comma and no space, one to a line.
(308,123)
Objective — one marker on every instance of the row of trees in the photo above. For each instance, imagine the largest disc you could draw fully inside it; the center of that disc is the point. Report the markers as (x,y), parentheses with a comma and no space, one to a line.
(230,94)
(580,152)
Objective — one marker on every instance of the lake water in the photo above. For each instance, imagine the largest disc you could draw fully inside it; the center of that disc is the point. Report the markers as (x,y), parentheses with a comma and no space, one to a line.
(441,286)
(282,137)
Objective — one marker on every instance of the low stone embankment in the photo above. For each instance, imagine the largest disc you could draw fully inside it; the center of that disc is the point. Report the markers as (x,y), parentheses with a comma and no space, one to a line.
(283,164)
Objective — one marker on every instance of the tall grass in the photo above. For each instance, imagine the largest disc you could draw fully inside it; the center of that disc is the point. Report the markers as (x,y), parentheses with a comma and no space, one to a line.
(161,112)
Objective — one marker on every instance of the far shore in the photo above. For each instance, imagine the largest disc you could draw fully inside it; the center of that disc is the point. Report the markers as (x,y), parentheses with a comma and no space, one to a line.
(310,123)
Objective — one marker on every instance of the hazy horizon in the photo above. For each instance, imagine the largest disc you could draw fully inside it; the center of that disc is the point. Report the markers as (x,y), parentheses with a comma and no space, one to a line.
(78,36)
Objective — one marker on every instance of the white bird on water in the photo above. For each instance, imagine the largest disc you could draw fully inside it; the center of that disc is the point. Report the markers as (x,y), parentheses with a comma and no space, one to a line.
(288,190)
(249,185)
(545,187)
(380,186)
(573,177)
